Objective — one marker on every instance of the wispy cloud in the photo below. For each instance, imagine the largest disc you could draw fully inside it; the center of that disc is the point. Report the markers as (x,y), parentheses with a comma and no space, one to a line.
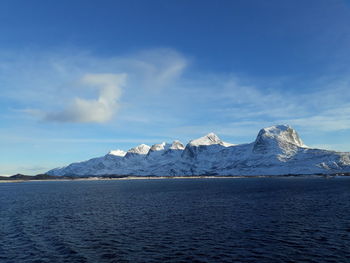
(101,109)
(322,107)
(158,99)
(335,119)
(80,87)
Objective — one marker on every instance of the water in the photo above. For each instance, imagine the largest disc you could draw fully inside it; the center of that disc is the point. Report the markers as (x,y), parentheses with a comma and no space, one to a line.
(188,220)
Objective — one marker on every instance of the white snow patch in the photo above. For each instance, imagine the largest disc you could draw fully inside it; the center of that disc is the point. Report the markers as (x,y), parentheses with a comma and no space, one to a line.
(141,149)
(120,153)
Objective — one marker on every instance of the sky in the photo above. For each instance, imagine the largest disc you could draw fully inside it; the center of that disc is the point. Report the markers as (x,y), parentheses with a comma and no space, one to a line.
(79,78)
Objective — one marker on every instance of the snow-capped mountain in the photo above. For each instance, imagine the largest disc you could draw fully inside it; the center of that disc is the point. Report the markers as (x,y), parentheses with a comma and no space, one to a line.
(277,150)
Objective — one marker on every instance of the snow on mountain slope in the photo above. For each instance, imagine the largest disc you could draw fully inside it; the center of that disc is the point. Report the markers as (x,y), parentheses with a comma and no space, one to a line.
(280,141)
(209,139)
(120,153)
(95,166)
(177,145)
(138,151)
(199,148)
(159,147)
(277,150)
(141,149)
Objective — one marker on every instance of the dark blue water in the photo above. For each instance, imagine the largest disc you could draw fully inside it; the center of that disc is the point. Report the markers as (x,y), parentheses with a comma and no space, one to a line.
(191,220)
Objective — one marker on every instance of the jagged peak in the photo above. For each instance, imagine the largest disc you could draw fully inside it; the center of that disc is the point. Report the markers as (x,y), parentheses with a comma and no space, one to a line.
(177,145)
(140,149)
(280,133)
(118,152)
(209,139)
(277,129)
(159,147)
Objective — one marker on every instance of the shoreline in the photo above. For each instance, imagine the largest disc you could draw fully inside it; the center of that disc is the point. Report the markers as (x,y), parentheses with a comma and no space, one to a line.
(126,178)
(167,178)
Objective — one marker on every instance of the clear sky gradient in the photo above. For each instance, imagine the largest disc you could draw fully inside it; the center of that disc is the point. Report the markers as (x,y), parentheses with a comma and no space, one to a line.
(80,78)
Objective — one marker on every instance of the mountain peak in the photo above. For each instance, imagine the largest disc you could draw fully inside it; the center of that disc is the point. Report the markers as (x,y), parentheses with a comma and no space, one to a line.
(177,145)
(140,149)
(120,153)
(283,135)
(209,139)
(159,147)
(275,129)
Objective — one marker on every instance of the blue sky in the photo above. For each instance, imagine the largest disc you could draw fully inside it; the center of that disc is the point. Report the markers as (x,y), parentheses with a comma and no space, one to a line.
(80,78)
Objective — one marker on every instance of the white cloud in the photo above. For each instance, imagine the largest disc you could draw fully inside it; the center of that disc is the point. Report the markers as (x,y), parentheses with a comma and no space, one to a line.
(97,110)
(83,88)
(156,68)
(335,119)
(58,88)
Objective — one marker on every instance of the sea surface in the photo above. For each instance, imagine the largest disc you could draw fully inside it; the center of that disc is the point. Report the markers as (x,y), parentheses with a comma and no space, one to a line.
(176,220)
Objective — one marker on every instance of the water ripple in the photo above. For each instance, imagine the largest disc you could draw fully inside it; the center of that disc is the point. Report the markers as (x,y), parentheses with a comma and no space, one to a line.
(209,220)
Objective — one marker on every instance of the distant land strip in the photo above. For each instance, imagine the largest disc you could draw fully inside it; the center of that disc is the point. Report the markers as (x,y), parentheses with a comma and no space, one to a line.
(46,177)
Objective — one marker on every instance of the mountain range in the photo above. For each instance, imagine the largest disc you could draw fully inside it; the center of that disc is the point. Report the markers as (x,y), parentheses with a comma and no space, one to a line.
(277,150)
